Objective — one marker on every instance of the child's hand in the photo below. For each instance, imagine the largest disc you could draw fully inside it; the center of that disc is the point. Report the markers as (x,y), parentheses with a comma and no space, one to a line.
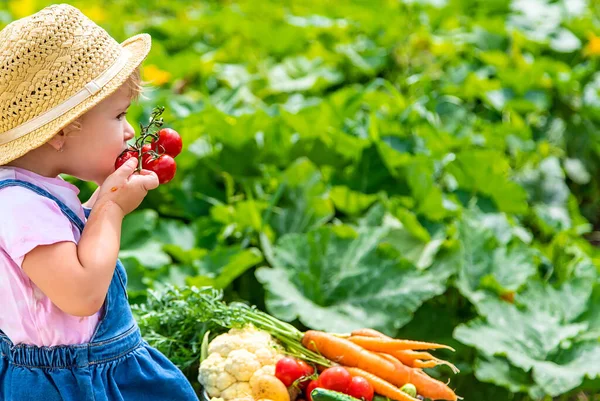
(125,188)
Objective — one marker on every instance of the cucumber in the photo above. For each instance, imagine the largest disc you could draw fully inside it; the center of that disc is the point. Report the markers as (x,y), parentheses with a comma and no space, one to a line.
(321,394)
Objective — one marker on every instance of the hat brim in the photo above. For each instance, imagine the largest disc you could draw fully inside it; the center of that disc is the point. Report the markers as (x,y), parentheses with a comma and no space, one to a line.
(138,47)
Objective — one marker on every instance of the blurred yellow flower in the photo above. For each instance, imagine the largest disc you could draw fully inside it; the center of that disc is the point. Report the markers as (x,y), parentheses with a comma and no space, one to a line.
(95,13)
(593,46)
(22,8)
(155,75)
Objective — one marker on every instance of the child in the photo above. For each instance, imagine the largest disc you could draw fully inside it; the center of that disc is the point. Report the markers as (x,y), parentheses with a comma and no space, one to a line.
(66,329)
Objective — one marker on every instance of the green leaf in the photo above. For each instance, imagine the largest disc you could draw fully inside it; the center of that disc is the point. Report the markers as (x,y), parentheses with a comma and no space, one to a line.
(223,265)
(301,74)
(339,283)
(304,203)
(500,372)
(149,253)
(487,172)
(577,171)
(137,226)
(350,202)
(536,337)
(488,266)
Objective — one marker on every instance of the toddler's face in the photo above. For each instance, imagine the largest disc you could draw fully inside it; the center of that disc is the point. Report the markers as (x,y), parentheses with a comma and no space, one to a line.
(104,132)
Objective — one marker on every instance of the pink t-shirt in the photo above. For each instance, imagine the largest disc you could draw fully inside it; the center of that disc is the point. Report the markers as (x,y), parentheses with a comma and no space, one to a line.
(27,220)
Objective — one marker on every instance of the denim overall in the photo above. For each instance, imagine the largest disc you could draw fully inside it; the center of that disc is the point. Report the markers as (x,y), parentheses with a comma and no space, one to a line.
(117,364)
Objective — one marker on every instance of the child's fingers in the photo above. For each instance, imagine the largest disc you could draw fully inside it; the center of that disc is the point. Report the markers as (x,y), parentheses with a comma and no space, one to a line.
(127,168)
(150,179)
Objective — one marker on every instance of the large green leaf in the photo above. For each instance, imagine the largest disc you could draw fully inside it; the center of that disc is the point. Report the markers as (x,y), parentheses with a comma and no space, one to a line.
(305,204)
(223,265)
(488,266)
(339,281)
(537,338)
(487,172)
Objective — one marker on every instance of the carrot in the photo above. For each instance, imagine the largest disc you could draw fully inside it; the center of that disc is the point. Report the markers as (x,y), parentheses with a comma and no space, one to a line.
(408,357)
(381,386)
(425,364)
(422,360)
(397,364)
(383,344)
(368,333)
(347,353)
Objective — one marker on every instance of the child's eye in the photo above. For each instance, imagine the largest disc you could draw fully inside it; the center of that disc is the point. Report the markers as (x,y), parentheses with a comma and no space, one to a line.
(120,117)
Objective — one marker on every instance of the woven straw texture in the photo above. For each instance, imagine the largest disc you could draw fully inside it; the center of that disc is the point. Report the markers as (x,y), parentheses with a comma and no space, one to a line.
(48,57)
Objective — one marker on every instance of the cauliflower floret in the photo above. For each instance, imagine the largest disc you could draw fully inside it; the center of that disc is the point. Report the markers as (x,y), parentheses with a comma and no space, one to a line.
(242,364)
(267,355)
(213,376)
(237,390)
(224,344)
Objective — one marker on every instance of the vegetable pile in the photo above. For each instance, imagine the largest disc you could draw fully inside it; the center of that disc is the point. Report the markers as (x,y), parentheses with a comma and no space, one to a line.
(359,364)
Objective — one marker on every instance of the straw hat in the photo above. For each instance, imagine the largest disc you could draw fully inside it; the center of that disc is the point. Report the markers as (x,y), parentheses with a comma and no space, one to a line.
(54,66)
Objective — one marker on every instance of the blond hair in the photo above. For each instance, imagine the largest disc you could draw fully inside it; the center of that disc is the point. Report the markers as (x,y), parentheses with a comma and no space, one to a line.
(136,88)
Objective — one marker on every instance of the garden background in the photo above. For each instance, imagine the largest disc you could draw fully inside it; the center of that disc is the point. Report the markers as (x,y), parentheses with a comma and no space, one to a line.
(426,168)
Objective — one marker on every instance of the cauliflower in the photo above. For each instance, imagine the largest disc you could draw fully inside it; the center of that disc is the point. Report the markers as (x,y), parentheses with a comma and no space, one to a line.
(237,390)
(242,364)
(213,375)
(234,359)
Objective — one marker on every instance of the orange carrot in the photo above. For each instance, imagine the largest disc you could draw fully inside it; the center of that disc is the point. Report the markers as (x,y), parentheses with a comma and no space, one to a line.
(422,360)
(381,386)
(408,357)
(425,364)
(347,353)
(397,364)
(368,333)
(383,344)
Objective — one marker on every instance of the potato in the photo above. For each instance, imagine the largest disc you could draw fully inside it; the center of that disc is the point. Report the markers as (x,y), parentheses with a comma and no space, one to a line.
(270,387)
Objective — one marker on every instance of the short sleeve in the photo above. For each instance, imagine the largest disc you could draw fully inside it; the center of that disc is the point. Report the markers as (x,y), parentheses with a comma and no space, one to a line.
(28,220)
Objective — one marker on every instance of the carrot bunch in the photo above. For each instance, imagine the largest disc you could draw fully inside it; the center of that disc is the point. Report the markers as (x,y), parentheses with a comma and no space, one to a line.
(385,362)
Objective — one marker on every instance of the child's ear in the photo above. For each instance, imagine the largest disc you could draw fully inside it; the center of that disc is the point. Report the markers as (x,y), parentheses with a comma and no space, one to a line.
(58,141)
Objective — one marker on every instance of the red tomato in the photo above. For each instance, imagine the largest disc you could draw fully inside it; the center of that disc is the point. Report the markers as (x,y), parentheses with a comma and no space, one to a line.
(308,371)
(146,156)
(360,388)
(288,370)
(311,386)
(123,157)
(164,167)
(336,378)
(168,142)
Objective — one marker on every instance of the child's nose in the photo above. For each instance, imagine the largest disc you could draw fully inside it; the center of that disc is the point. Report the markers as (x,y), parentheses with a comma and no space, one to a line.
(129,132)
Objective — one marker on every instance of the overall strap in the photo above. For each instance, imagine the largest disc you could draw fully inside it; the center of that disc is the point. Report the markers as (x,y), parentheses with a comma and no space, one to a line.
(64,208)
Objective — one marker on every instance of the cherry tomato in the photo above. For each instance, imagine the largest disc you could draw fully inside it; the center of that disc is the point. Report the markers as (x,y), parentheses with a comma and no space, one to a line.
(288,370)
(168,142)
(146,156)
(308,371)
(164,167)
(336,378)
(123,157)
(311,386)
(360,388)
